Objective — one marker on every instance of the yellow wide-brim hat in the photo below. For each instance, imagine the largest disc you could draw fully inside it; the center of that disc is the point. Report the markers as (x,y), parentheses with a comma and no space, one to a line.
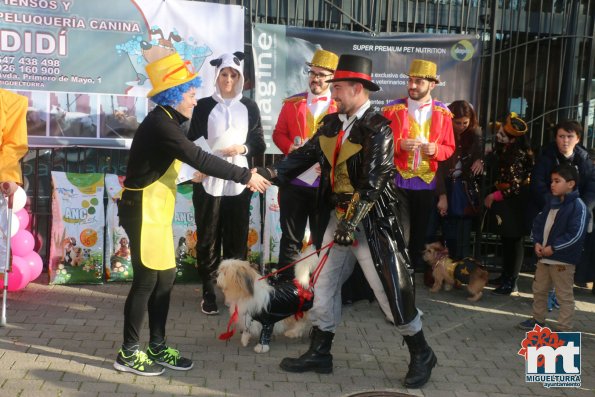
(169,72)
(514,125)
(324,59)
(423,69)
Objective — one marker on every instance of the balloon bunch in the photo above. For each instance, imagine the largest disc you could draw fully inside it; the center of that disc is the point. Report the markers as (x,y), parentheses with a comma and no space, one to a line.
(26,263)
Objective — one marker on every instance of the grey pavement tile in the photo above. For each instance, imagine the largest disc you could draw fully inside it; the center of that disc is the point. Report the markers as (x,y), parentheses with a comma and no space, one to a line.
(36,393)
(463,393)
(206,392)
(133,388)
(117,394)
(438,393)
(301,393)
(221,384)
(98,386)
(177,390)
(324,387)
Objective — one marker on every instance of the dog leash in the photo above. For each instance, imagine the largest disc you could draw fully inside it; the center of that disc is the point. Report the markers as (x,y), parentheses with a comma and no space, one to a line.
(442,256)
(318,269)
(230,331)
(298,261)
(308,294)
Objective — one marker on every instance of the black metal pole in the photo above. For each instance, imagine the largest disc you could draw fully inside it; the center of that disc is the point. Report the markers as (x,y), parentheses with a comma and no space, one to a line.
(589,75)
(485,115)
(567,97)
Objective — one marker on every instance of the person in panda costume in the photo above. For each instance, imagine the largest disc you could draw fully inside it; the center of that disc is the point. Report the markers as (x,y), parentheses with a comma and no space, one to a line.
(231,125)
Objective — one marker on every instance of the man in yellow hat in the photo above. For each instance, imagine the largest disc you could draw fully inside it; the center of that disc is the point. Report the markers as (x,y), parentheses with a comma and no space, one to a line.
(13,139)
(297,122)
(147,207)
(423,133)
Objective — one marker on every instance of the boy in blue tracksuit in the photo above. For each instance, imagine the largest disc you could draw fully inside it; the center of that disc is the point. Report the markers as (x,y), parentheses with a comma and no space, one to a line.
(558,233)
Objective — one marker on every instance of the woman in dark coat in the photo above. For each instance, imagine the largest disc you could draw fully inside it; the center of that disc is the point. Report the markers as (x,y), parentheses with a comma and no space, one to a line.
(508,201)
(461,172)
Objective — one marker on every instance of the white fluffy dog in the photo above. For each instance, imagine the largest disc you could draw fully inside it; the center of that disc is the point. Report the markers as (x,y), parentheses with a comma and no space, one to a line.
(264,309)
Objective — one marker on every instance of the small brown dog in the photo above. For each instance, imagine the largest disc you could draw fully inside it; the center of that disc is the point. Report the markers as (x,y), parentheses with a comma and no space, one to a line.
(448,272)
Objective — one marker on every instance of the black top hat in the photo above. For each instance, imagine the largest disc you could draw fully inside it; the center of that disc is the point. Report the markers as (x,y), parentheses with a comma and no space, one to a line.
(355,68)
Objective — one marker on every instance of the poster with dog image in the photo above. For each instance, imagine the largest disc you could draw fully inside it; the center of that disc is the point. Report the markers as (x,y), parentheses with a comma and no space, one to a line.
(185,237)
(272,228)
(76,244)
(254,230)
(117,247)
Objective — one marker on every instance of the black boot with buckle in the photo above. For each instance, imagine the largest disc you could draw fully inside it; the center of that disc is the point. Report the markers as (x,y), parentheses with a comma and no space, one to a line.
(318,358)
(421,363)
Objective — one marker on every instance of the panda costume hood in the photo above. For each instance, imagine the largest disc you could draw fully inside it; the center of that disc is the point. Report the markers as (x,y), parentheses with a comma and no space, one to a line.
(224,122)
(233,61)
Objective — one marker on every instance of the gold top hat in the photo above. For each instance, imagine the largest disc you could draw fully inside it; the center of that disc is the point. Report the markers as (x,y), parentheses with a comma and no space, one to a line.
(514,125)
(324,59)
(169,72)
(424,69)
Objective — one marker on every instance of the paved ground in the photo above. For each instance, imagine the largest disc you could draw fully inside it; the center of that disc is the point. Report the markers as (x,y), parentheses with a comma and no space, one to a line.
(61,341)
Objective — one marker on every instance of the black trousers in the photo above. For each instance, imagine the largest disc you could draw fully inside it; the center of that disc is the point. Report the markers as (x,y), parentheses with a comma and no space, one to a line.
(150,291)
(415,208)
(221,221)
(297,207)
(513,254)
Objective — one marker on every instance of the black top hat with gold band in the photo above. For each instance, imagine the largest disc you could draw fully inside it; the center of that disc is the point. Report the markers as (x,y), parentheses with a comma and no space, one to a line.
(169,72)
(514,125)
(423,69)
(324,59)
(355,68)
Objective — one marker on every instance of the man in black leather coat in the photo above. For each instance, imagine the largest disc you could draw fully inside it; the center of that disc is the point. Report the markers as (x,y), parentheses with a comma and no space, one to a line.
(355,149)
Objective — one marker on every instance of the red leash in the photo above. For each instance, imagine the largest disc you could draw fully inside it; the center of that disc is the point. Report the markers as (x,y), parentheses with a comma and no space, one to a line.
(296,262)
(318,269)
(308,294)
(230,331)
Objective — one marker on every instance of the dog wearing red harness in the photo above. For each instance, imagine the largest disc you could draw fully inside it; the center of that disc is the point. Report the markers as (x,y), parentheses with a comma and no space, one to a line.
(260,309)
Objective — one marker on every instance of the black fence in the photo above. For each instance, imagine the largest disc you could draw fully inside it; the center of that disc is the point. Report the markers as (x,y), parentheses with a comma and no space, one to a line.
(538,60)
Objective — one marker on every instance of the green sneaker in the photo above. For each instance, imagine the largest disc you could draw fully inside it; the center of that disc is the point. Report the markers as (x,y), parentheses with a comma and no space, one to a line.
(137,363)
(170,358)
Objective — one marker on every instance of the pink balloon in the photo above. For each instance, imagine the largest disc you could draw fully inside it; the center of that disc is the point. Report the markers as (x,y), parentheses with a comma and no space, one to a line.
(18,277)
(23,217)
(35,264)
(22,243)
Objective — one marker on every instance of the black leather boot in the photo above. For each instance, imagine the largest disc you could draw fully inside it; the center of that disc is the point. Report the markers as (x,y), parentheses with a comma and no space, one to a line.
(421,363)
(318,358)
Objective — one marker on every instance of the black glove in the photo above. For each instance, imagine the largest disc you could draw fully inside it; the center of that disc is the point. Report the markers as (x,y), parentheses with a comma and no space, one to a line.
(344,234)
(266,172)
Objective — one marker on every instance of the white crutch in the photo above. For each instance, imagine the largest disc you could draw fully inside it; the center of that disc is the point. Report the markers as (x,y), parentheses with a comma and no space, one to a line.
(6,260)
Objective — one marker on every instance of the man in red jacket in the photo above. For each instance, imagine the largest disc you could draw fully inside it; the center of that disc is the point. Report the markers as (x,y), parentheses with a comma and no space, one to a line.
(422,129)
(297,122)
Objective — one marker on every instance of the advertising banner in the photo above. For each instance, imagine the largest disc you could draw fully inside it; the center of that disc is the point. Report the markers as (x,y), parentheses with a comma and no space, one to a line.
(82,63)
(281,52)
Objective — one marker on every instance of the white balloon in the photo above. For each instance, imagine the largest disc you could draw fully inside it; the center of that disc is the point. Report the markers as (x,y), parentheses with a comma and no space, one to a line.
(19,200)
(15,224)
